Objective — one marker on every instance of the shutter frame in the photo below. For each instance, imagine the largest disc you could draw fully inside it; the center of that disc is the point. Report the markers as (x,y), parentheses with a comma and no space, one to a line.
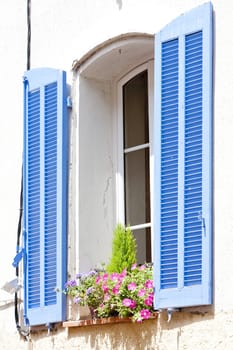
(198,19)
(46,244)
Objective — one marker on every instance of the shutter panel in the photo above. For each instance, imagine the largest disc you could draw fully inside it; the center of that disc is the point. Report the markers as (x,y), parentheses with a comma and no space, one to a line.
(183,158)
(45,195)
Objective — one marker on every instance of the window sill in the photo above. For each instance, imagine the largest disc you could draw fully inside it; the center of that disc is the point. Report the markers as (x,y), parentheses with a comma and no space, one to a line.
(103,321)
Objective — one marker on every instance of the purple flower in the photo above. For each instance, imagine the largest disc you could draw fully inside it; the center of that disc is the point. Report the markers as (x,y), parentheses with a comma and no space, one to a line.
(145,314)
(89,290)
(92,273)
(77,300)
(132,286)
(70,283)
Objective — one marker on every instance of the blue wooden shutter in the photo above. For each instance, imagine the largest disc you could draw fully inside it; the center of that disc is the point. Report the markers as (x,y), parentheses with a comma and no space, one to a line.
(183,158)
(45,195)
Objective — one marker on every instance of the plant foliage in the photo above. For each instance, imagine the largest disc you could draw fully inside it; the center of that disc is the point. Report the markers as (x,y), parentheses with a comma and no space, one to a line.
(123,250)
(124,294)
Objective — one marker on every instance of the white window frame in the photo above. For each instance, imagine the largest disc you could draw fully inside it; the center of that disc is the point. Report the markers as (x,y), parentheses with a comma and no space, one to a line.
(120,201)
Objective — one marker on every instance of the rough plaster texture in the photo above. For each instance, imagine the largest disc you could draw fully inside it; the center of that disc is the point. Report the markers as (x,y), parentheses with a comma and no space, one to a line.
(9,337)
(185,331)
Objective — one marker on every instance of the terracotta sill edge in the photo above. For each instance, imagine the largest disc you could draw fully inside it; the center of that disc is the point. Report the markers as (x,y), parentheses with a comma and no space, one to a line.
(102,321)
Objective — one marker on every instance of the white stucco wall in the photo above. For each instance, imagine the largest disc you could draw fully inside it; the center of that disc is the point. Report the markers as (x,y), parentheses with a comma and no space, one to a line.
(63,31)
(12,51)
(95,173)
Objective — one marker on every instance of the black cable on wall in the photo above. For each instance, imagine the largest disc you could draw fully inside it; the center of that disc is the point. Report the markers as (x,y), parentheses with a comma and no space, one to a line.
(28,34)
(23,332)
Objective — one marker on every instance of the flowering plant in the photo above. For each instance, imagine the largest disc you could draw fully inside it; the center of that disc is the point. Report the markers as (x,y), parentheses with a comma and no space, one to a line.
(84,289)
(125,294)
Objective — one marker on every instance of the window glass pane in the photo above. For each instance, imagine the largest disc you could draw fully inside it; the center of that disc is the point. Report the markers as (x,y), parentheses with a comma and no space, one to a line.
(143,241)
(137,187)
(135,104)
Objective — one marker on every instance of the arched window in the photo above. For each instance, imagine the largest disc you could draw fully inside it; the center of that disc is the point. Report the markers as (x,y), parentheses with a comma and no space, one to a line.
(115,84)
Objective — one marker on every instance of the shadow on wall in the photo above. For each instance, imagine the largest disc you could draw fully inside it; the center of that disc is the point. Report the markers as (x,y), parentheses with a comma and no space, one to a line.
(189,329)
(185,317)
(135,336)
(119,3)
(148,335)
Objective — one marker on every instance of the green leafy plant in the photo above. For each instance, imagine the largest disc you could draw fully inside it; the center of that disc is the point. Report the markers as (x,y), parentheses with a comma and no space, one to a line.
(124,294)
(123,250)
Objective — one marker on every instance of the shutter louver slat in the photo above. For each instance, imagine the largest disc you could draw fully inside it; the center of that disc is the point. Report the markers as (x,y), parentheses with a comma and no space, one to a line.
(193,161)
(34,198)
(169,168)
(50,181)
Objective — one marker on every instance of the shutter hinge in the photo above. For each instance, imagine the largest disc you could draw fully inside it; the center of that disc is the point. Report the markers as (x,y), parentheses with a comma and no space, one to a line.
(69,102)
(202,219)
(18,257)
(170,312)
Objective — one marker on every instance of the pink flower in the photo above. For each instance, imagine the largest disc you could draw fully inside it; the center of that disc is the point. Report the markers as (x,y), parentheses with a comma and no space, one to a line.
(139,320)
(122,275)
(105,277)
(133,267)
(106,297)
(133,304)
(98,279)
(115,289)
(129,303)
(141,292)
(145,314)
(105,288)
(142,267)
(126,302)
(120,278)
(114,276)
(149,284)
(148,301)
(132,286)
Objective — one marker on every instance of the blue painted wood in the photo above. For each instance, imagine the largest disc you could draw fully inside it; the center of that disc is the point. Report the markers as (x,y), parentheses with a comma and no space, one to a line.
(45,195)
(169,165)
(183,161)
